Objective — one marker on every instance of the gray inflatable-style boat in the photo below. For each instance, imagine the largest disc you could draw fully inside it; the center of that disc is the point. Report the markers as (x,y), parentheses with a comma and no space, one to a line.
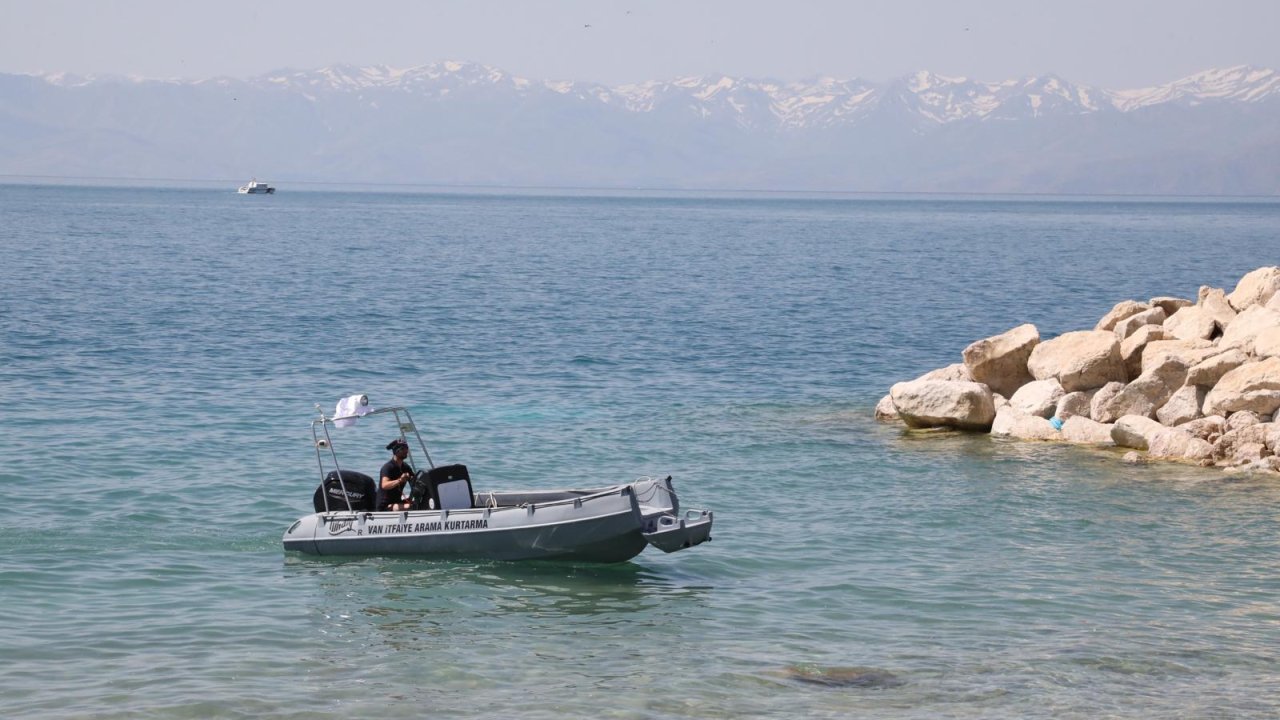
(449,519)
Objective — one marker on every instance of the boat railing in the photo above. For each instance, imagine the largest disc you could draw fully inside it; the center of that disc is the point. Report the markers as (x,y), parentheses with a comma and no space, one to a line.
(490,499)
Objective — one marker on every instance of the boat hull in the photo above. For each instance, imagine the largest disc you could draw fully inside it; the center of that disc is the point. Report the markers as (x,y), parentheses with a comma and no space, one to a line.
(605,527)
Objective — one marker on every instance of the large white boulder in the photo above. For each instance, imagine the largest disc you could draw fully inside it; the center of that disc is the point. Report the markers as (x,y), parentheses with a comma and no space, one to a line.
(1080,360)
(1122,310)
(1001,361)
(1190,352)
(885,411)
(1215,299)
(1102,396)
(1082,430)
(1272,439)
(1011,423)
(1135,431)
(1151,390)
(1207,428)
(1253,386)
(954,371)
(1209,371)
(1242,419)
(1191,323)
(1170,305)
(1038,397)
(944,403)
(1074,404)
(1183,406)
(1249,453)
(1132,347)
(1228,445)
(1136,398)
(1207,319)
(1176,444)
(1255,288)
(1243,332)
(1126,327)
(1267,343)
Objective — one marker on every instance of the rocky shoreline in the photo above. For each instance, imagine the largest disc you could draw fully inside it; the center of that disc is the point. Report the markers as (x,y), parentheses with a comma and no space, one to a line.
(1169,378)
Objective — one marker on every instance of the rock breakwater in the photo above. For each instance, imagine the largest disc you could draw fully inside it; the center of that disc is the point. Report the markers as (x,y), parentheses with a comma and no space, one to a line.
(1178,379)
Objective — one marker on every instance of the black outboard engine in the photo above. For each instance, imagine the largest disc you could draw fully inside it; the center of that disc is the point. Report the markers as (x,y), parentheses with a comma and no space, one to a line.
(361,491)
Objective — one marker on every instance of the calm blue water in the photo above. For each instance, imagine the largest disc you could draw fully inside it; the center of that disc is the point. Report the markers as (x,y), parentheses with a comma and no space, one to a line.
(161,353)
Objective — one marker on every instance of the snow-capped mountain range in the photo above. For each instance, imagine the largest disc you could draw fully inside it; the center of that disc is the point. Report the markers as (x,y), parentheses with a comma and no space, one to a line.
(460,122)
(816,102)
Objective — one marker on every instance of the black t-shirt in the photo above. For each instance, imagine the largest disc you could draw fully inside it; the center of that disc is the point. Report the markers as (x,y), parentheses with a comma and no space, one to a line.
(393,469)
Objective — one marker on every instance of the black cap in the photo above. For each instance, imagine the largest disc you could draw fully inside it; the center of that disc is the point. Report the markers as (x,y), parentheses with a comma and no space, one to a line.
(397,443)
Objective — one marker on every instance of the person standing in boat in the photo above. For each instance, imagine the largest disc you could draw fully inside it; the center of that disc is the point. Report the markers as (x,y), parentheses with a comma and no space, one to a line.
(394,475)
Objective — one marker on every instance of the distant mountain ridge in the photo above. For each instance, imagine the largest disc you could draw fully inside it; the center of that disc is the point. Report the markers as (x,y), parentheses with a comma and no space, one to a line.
(1214,132)
(938,98)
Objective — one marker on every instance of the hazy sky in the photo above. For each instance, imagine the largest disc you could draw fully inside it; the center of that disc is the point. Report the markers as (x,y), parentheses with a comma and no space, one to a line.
(1109,43)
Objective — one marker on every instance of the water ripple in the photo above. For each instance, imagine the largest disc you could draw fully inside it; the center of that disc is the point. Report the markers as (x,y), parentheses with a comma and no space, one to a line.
(166,347)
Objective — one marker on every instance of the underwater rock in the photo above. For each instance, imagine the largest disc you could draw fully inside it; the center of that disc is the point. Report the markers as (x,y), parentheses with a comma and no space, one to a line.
(843,677)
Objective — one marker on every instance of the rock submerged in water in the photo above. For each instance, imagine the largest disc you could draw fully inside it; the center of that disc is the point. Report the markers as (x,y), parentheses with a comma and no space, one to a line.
(1193,381)
(843,677)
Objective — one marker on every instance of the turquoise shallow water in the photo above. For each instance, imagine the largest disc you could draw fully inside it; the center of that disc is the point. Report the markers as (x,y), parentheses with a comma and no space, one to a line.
(161,352)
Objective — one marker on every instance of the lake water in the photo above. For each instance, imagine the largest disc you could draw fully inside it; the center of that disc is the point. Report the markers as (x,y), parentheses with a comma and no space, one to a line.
(162,352)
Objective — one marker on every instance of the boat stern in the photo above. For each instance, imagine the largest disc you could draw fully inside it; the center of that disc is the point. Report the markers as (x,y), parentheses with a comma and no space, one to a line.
(663,524)
(670,533)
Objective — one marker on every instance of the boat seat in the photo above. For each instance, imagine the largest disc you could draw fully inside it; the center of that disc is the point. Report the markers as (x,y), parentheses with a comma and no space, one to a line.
(450,487)
(361,491)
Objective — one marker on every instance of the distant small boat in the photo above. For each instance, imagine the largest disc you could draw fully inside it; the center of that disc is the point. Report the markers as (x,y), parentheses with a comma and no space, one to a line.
(256,188)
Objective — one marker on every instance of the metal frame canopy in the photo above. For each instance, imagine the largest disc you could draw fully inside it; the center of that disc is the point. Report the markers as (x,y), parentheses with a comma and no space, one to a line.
(323,440)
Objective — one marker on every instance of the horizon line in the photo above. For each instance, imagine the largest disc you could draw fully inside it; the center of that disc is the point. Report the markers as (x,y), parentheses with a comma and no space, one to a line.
(335,184)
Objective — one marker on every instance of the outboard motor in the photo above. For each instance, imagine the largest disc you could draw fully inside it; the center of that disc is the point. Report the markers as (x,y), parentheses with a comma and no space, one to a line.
(361,491)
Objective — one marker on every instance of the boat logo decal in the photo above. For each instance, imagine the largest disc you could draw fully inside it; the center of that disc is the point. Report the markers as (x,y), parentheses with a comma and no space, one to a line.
(436,526)
(338,527)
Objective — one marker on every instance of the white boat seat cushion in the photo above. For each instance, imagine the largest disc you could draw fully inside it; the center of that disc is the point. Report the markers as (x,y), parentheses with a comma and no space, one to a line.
(450,487)
(454,495)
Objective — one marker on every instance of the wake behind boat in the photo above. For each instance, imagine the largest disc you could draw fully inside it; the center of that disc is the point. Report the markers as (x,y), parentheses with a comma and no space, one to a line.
(447,518)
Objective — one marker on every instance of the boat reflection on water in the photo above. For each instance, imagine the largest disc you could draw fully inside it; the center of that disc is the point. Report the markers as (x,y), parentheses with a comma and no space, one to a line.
(404,602)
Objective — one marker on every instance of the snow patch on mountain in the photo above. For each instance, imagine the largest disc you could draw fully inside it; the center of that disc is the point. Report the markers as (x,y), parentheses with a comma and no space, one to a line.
(1242,83)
